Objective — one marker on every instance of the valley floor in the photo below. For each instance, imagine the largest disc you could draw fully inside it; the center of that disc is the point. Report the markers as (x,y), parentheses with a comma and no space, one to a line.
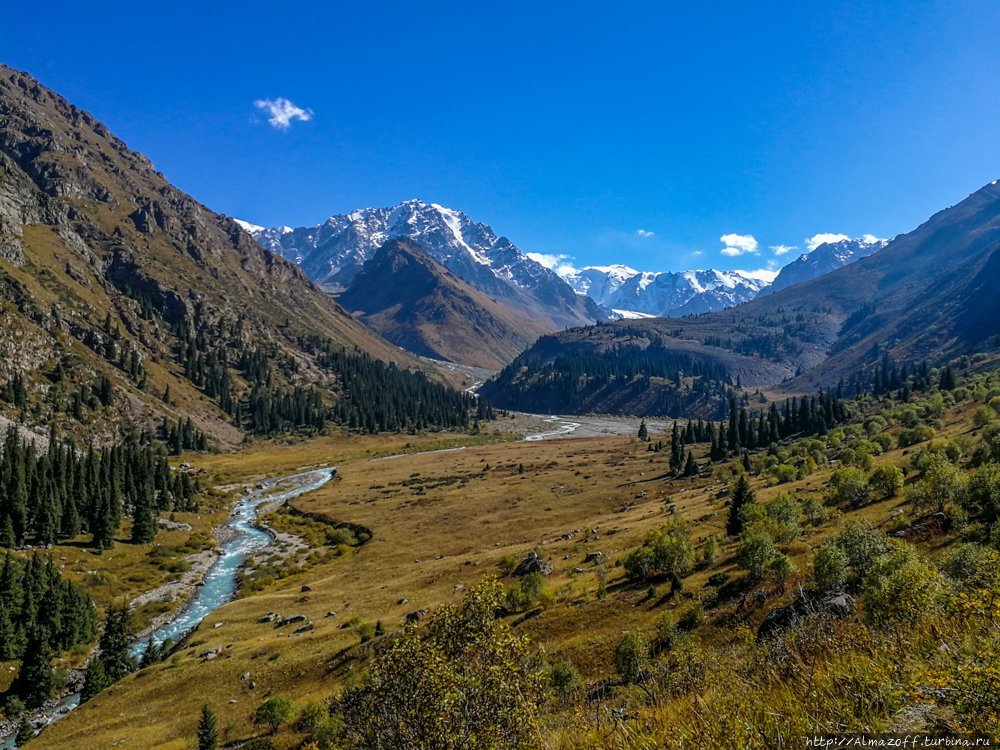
(444,512)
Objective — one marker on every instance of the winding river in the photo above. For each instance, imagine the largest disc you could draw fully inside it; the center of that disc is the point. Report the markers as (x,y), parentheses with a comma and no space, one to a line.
(241,538)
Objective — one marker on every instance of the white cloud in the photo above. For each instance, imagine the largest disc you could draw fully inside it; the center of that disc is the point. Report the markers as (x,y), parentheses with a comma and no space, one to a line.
(282,112)
(762,274)
(738,244)
(561,264)
(871,239)
(645,233)
(782,249)
(823,238)
(697,253)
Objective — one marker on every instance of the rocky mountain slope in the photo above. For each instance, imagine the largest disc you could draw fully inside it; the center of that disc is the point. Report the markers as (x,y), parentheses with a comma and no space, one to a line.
(826,258)
(928,294)
(418,304)
(109,273)
(333,254)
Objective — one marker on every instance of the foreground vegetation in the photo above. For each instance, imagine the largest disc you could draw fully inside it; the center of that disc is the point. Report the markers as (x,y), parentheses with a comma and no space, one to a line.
(838,579)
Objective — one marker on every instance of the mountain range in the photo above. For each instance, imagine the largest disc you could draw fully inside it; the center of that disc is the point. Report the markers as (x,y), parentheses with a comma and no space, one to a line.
(628,293)
(822,260)
(926,295)
(523,298)
(334,252)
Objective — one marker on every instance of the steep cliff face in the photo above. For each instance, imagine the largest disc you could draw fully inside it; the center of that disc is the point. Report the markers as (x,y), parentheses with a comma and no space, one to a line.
(103,263)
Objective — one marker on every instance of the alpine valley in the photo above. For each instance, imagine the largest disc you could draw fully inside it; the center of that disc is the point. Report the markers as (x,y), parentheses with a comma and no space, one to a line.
(389,482)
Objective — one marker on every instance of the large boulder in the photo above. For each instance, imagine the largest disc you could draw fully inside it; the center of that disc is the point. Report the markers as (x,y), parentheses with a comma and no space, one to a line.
(777,621)
(839,605)
(533,563)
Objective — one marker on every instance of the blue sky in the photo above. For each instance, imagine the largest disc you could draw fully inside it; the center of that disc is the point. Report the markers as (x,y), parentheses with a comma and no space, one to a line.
(567,127)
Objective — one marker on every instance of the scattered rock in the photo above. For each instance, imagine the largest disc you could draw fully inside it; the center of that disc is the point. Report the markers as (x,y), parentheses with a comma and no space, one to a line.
(533,563)
(244,677)
(402,601)
(776,621)
(269,617)
(595,558)
(415,617)
(305,589)
(290,620)
(166,523)
(303,628)
(839,605)
(210,653)
(331,613)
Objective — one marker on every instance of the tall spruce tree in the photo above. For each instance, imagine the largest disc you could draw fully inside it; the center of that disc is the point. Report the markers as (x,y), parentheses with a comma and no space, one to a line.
(35,680)
(115,644)
(208,735)
(742,495)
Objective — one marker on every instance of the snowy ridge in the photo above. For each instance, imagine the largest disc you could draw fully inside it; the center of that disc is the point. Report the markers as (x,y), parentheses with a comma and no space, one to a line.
(824,259)
(630,293)
(333,253)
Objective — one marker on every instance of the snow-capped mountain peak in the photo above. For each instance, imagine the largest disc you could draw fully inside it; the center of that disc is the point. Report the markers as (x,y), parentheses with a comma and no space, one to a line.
(253,229)
(826,258)
(334,252)
(626,292)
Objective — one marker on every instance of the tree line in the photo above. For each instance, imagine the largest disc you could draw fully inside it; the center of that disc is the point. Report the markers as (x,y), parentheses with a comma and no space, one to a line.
(41,614)
(61,492)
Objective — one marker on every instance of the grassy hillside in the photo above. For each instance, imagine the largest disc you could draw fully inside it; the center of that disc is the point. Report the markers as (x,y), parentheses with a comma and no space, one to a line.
(443,521)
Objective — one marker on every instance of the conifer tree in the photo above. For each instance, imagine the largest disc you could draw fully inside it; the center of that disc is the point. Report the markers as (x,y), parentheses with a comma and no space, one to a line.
(691,467)
(115,651)
(143,523)
(95,680)
(676,451)
(208,735)
(742,495)
(35,680)
(25,732)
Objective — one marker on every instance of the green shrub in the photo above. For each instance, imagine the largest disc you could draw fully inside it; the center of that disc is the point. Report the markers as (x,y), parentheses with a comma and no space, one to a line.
(525,592)
(886,482)
(849,487)
(983,416)
(632,656)
(755,552)
(665,551)
(900,589)
(274,712)
(564,678)
(830,566)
